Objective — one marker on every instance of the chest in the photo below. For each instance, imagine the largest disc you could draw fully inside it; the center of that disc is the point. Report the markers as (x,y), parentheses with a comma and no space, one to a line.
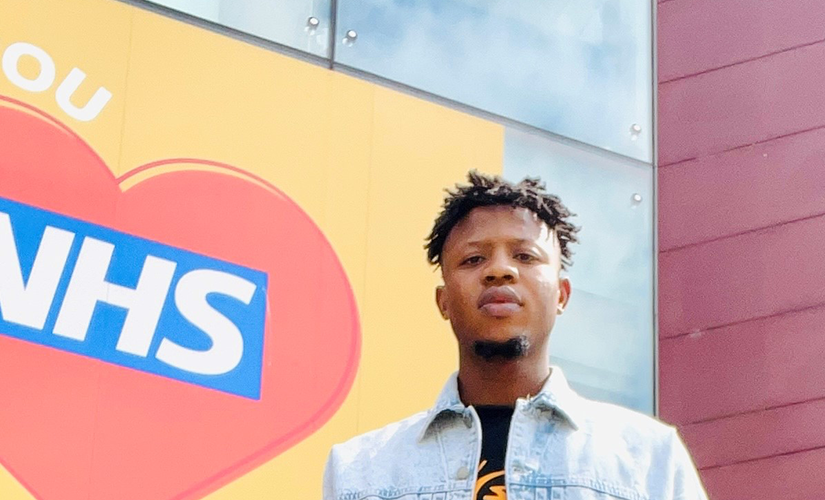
(544,459)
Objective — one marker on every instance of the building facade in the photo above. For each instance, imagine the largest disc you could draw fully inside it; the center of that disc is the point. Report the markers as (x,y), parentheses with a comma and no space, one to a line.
(292,156)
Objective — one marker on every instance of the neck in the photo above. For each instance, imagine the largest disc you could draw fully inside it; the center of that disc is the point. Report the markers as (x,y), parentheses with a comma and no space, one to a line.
(500,382)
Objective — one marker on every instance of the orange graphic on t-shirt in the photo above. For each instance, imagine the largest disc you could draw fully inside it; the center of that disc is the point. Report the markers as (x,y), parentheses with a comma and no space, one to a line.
(498,492)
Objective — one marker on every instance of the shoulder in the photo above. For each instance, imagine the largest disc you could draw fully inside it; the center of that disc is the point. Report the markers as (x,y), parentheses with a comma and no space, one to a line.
(380,444)
(637,432)
(389,458)
(637,445)
(632,451)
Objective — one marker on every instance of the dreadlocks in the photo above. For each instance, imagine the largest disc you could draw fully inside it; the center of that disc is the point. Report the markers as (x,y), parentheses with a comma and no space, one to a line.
(485,190)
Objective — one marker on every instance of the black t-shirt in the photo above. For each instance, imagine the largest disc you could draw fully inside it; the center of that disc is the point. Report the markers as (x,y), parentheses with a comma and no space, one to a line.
(495,425)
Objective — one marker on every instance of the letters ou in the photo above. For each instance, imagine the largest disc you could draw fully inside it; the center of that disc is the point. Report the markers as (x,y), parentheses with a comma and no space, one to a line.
(46,77)
(28,303)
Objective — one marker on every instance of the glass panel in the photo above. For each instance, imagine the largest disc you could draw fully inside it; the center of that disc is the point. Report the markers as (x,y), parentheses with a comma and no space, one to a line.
(301,24)
(604,341)
(579,68)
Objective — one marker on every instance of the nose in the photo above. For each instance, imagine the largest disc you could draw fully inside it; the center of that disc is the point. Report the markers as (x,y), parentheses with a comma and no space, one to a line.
(500,270)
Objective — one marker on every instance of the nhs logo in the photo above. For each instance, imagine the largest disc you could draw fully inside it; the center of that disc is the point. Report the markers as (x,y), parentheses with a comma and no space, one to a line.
(94,291)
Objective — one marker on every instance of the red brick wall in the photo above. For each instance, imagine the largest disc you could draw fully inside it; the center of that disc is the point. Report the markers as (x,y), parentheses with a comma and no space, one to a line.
(742,241)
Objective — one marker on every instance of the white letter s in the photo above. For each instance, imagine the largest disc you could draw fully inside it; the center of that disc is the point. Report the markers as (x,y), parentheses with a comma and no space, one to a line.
(227,342)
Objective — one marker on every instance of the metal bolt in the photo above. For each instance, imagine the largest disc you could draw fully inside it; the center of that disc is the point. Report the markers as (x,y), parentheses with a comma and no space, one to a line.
(312,24)
(635,130)
(636,198)
(350,37)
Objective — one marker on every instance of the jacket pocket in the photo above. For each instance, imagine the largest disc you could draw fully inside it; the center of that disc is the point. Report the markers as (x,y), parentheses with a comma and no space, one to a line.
(594,492)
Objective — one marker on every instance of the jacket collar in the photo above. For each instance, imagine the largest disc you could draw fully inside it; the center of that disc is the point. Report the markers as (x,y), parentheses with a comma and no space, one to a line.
(555,395)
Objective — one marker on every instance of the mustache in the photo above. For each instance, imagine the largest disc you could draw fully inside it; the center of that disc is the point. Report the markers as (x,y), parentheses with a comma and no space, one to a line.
(508,350)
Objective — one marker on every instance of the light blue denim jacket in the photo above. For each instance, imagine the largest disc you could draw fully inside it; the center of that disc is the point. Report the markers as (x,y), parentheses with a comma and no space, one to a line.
(560,446)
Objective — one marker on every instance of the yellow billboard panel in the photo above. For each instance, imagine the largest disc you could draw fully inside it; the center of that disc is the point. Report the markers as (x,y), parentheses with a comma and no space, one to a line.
(216,253)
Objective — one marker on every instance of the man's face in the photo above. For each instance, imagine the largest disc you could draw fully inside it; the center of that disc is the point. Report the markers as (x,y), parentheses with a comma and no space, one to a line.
(501,277)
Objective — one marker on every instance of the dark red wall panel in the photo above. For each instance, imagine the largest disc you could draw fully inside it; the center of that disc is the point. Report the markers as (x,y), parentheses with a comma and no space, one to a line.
(741,205)
(755,435)
(757,274)
(745,367)
(741,190)
(743,104)
(789,477)
(700,35)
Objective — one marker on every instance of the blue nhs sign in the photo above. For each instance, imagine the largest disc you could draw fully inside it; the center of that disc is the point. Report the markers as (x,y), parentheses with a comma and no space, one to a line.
(90,290)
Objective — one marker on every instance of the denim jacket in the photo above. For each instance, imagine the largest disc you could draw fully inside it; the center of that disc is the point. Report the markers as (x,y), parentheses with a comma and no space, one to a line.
(561,446)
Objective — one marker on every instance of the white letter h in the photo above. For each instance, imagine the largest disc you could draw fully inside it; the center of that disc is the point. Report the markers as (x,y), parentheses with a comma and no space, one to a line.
(88,286)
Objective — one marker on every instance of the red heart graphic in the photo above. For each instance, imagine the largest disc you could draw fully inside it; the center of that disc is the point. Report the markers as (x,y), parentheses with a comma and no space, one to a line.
(73,427)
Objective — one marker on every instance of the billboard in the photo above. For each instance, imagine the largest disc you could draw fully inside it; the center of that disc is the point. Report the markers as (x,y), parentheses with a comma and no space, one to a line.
(211,263)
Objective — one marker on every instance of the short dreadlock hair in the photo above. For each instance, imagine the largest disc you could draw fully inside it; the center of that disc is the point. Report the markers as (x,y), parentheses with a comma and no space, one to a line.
(487,190)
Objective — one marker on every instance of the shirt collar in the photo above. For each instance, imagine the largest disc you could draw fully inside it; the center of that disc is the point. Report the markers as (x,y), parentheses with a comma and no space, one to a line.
(555,395)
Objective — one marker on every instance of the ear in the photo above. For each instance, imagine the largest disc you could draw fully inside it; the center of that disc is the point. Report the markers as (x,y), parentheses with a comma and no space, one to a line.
(564,294)
(441,301)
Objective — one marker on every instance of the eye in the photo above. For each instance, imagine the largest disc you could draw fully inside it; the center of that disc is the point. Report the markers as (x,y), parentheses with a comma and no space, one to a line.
(472,260)
(525,257)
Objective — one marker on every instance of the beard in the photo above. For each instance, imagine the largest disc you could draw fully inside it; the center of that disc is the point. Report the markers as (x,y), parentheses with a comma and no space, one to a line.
(508,350)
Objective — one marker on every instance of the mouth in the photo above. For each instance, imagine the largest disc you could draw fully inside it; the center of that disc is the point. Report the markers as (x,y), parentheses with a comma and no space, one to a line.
(499,302)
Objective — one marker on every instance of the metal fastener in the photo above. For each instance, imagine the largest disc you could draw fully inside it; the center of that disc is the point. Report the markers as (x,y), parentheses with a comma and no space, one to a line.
(635,131)
(350,37)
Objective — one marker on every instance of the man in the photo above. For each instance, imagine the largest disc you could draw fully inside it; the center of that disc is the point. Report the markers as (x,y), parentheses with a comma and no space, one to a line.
(507,425)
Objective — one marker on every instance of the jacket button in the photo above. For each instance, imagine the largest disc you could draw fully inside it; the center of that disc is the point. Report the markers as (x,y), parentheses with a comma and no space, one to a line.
(463,473)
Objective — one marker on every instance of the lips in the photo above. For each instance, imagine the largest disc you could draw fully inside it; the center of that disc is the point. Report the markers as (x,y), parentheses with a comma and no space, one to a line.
(499,302)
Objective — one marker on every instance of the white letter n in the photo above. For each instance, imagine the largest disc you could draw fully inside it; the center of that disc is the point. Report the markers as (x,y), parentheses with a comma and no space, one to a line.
(29,304)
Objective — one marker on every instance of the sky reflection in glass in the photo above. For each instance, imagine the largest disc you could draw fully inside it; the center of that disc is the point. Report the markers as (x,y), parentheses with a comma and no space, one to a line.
(579,68)
(285,22)
(604,341)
